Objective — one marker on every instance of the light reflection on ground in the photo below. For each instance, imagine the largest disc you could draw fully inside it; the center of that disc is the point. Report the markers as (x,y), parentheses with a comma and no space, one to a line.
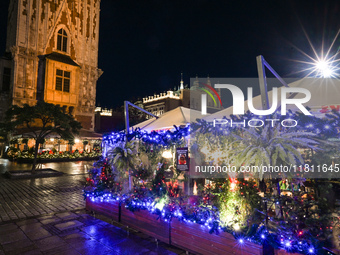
(75,167)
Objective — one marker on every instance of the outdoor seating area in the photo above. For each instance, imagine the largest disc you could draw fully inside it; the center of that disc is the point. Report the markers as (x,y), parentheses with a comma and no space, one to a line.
(53,149)
(149,181)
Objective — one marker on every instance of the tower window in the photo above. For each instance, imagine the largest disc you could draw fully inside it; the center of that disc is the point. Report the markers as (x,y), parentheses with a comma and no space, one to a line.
(62,40)
(6,79)
(62,82)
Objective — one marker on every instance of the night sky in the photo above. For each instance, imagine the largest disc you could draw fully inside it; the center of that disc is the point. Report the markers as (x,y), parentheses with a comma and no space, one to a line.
(145,45)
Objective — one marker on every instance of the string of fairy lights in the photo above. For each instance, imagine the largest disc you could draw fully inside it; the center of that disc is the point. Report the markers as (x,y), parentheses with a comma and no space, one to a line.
(209,220)
(206,217)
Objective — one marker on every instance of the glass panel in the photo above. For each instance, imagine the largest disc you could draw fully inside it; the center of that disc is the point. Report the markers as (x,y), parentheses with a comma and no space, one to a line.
(66,85)
(60,32)
(59,42)
(64,32)
(59,72)
(65,44)
(67,74)
(59,83)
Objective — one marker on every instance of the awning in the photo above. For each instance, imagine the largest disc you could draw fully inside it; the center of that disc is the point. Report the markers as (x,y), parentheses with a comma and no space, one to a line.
(180,116)
(83,134)
(86,134)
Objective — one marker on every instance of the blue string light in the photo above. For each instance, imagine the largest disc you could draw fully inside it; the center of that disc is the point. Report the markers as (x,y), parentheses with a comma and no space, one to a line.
(208,222)
(162,137)
(325,127)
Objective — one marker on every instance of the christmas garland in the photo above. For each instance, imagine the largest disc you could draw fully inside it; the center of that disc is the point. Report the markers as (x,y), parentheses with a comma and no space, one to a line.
(157,200)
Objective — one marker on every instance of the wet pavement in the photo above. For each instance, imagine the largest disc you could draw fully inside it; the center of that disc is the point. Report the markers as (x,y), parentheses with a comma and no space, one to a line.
(75,167)
(32,197)
(47,216)
(73,233)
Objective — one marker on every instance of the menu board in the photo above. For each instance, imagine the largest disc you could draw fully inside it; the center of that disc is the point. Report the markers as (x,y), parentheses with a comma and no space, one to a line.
(182,159)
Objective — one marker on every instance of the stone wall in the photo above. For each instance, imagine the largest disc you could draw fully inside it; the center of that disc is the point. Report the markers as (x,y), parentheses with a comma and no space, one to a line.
(32,31)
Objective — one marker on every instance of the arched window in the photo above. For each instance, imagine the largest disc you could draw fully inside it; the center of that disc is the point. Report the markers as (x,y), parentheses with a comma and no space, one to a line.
(62,40)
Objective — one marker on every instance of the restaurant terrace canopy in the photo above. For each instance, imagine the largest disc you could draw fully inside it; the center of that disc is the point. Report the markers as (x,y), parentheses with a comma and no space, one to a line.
(180,116)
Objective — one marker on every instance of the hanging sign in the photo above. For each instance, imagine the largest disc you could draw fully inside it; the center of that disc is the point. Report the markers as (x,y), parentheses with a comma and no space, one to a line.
(182,159)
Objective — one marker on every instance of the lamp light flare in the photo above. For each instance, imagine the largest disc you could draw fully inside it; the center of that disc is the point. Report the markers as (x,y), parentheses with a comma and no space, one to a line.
(195,189)
(311,250)
(167,154)
(324,68)
(322,65)
(237,227)
(325,63)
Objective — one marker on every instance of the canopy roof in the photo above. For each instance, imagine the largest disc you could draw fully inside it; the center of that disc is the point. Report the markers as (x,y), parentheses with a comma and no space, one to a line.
(180,116)
(325,95)
(86,134)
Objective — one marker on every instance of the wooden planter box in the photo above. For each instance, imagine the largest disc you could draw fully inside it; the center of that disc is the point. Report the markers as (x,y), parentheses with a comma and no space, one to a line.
(195,238)
(147,223)
(188,236)
(109,209)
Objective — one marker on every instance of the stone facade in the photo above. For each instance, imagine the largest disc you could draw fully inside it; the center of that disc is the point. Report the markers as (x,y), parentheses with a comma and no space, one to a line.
(189,98)
(52,52)
(163,102)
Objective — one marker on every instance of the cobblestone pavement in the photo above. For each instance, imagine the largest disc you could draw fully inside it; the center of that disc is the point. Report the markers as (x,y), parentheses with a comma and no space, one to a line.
(71,233)
(20,199)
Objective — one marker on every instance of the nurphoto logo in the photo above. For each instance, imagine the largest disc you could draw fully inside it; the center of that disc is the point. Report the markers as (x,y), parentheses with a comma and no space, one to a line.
(239,99)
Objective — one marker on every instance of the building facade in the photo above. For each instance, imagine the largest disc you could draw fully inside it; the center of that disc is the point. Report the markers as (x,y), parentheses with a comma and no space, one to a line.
(189,98)
(108,120)
(52,56)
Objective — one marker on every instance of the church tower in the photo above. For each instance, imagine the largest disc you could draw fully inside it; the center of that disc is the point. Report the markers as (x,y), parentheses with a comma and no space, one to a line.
(52,56)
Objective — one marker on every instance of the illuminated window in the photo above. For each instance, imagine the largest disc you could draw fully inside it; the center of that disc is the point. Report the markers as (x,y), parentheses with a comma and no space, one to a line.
(62,82)
(62,40)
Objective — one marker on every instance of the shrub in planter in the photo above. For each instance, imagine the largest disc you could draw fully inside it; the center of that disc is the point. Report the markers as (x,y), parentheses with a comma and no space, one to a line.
(237,200)
(13,152)
(14,142)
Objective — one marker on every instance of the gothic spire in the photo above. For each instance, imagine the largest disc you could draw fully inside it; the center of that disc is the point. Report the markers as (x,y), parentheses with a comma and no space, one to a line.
(182,85)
